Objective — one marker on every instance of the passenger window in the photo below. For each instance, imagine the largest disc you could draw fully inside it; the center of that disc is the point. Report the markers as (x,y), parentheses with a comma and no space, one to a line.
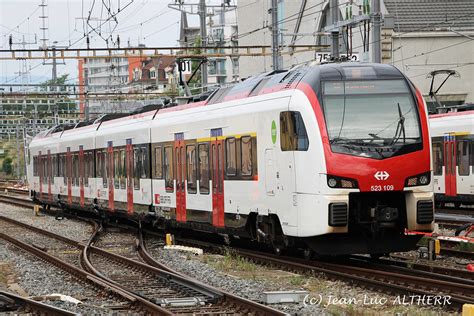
(138,165)
(99,164)
(438,159)
(191,168)
(123,169)
(144,171)
(293,136)
(463,158)
(105,168)
(471,153)
(231,157)
(85,169)
(203,157)
(246,155)
(117,167)
(169,169)
(158,165)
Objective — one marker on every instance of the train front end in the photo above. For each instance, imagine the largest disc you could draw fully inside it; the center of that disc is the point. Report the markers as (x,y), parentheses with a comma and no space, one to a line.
(377,183)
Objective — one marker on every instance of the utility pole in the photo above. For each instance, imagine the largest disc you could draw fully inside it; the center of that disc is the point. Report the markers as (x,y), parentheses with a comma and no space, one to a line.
(335,32)
(275,36)
(202,25)
(377,39)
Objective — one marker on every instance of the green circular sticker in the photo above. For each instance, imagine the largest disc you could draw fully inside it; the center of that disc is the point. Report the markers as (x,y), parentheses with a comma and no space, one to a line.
(274,132)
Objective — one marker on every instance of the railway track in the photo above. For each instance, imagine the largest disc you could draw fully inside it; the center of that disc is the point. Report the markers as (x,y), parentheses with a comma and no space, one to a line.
(387,278)
(391,277)
(145,287)
(16,305)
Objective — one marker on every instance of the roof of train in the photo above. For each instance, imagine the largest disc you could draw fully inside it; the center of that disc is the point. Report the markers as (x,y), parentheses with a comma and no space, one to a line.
(261,84)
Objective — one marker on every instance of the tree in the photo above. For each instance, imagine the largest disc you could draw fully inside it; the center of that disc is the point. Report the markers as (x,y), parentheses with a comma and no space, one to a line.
(59,81)
(7,165)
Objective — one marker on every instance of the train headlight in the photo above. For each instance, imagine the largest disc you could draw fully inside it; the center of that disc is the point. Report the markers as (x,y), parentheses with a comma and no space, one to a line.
(424,180)
(420,179)
(343,183)
(332,182)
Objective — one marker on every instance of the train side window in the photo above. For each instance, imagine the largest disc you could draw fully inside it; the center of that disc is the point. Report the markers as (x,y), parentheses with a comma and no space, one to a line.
(463,158)
(230,157)
(191,168)
(145,163)
(203,151)
(471,154)
(105,168)
(117,167)
(77,169)
(123,169)
(246,155)
(85,169)
(34,167)
(438,159)
(99,163)
(74,172)
(138,166)
(168,163)
(293,136)
(158,163)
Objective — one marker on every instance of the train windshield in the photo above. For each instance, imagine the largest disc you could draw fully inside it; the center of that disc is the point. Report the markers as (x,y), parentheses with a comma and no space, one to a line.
(371,118)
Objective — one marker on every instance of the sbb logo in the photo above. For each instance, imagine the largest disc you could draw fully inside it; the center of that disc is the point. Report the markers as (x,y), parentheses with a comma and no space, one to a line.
(157,199)
(381,175)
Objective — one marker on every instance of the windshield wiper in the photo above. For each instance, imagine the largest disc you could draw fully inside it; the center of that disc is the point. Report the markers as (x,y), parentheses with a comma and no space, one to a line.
(400,127)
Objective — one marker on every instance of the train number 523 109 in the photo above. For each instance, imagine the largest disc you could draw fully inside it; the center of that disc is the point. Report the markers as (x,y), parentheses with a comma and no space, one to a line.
(386,187)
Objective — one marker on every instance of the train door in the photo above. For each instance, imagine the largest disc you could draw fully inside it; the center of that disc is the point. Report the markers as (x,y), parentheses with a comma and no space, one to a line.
(450,165)
(129,175)
(110,173)
(217,163)
(180,167)
(81,175)
(69,175)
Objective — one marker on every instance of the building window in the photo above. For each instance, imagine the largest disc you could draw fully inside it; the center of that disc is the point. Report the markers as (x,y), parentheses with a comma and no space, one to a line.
(153,74)
(293,136)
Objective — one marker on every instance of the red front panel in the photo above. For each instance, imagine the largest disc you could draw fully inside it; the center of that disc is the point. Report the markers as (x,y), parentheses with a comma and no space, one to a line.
(129,158)
(180,163)
(217,161)
(110,152)
(450,165)
(81,175)
(373,175)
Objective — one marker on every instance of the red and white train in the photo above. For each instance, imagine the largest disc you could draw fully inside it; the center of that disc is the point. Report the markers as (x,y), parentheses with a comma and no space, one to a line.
(453,157)
(333,157)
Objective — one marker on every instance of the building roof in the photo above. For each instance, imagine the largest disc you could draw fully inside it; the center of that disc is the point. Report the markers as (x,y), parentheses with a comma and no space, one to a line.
(431,15)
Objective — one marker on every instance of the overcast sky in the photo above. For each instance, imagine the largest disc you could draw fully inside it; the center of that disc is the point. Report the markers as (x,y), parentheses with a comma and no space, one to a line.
(148,22)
